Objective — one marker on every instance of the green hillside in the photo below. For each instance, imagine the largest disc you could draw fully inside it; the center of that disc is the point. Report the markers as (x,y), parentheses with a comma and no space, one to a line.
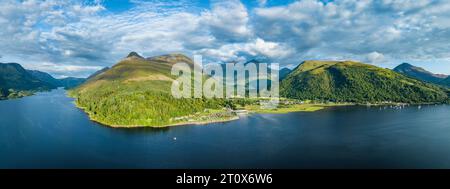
(16,82)
(136,92)
(97,73)
(356,82)
(419,73)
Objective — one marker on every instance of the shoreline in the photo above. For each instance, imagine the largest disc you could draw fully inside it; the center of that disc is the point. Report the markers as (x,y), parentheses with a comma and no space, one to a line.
(172,125)
(237,117)
(25,93)
(156,127)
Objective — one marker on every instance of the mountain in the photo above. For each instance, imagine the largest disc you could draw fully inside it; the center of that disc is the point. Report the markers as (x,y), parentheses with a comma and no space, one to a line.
(419,73)
(356,82)
(282,73)
(45,77)
(15,82)
(134,54)
(137,92)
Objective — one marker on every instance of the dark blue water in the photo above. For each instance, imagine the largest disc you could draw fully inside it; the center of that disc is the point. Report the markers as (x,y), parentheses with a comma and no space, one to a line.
(47,131)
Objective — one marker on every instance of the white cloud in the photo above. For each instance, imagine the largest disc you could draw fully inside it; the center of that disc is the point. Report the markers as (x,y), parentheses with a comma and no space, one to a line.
(257,47)
(25,36)
(60,70)
(262,3)
(401,29)
(405,5)
(74,33)
(269,49)
(228,20)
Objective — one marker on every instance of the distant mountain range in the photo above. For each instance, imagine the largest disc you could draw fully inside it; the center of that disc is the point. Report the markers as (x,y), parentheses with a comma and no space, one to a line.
(422,74)
(70,82)
(15,81)
(284,72)
(67,83)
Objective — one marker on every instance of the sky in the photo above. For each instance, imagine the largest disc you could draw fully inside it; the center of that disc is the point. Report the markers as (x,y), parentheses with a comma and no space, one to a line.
(76,38)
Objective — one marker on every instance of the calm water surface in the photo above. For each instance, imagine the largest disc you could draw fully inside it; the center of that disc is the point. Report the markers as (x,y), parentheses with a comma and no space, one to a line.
(47,131)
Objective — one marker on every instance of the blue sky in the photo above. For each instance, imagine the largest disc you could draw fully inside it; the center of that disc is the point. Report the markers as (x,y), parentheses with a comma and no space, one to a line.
(76,38)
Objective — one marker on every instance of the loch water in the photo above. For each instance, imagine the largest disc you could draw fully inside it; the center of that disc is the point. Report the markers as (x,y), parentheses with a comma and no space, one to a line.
(47,131)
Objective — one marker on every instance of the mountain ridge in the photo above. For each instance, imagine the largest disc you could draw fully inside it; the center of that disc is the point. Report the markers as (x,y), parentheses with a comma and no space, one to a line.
(67,82)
